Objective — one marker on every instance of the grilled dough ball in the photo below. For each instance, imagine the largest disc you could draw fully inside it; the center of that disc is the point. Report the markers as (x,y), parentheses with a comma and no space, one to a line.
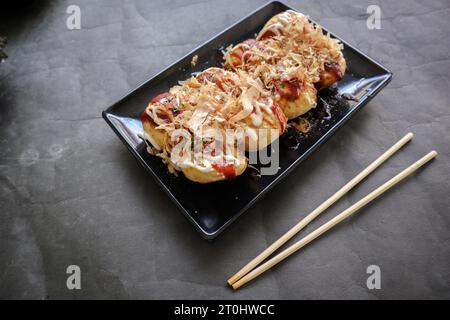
(217,108)
(293,91)
(249,107)
(326,62)
(206,157)
(197,161)
(296,96)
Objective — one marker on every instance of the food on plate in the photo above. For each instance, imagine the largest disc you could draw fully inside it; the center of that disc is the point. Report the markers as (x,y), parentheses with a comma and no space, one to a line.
(286,79)
(236,101)
(247,106)
(204,126)
(294,58)
(320,54)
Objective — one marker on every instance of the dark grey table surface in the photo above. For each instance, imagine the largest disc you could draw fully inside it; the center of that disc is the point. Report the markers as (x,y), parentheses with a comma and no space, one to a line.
(71,194)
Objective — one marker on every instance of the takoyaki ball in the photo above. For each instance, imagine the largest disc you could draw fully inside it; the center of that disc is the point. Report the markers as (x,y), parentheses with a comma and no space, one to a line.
(205,159)
(295,96)
(328,51)
(255,110)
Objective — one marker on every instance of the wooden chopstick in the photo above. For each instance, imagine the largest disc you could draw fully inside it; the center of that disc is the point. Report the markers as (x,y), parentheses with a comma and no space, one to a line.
(339,218)
(325,205)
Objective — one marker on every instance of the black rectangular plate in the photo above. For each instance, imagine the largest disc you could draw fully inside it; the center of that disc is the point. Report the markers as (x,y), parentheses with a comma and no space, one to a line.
(211,208)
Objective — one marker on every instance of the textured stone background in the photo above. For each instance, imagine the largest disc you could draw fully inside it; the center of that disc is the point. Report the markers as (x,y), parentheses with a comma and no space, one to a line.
(70,193)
